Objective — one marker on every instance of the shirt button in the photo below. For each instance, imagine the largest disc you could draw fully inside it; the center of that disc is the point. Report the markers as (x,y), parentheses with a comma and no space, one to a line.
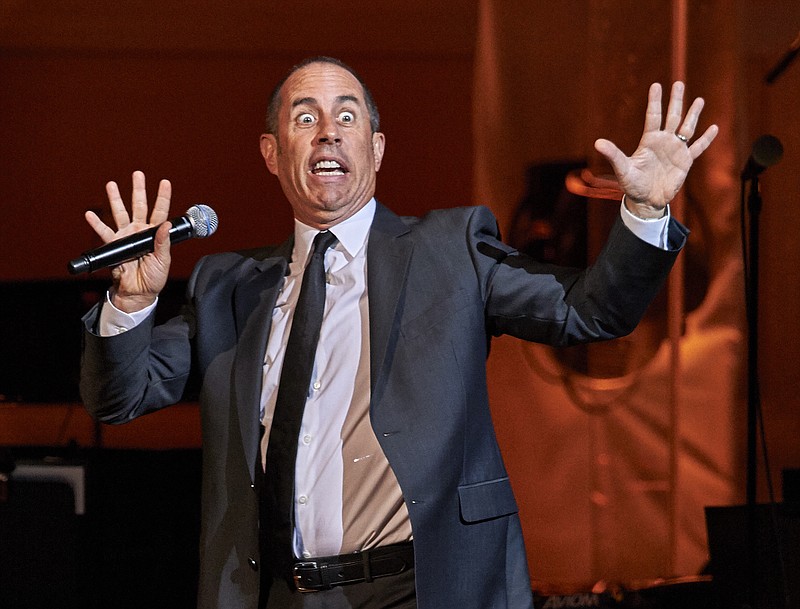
(317,385)
(302,499)
(306,439)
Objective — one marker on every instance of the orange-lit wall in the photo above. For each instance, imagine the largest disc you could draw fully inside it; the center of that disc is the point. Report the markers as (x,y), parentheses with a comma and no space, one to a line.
(91,97)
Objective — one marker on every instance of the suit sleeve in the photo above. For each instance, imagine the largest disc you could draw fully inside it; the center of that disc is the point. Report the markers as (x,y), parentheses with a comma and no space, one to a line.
(136,372)
(562,306)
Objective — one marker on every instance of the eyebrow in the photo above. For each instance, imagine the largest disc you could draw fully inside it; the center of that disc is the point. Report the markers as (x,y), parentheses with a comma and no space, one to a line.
(312,100)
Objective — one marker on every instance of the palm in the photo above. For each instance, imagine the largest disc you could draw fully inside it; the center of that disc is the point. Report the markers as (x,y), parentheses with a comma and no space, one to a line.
(657,169)
(653,174)
(145,275)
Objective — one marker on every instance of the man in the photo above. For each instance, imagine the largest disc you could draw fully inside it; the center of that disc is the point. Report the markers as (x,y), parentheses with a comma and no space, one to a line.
(398,497)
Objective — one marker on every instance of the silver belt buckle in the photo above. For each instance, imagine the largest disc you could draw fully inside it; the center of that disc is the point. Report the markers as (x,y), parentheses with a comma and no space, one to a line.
(296,576)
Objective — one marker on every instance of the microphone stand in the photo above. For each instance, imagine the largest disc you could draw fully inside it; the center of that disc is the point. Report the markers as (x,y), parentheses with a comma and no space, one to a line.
(784,62)
(754,204)
(767,151)
(756,579)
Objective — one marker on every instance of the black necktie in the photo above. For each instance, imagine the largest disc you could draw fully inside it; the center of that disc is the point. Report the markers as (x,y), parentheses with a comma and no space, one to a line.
(277,488)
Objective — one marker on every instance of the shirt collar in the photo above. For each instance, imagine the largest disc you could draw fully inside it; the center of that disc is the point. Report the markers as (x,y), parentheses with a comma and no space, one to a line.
(352,233)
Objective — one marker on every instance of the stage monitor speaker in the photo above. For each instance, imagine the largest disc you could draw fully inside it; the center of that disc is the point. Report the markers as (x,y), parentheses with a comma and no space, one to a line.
(775,585)
(130,543)
(41,549)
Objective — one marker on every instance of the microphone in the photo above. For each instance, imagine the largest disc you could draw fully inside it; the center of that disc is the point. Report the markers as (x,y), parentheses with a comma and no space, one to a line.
(767,150)
(199,221)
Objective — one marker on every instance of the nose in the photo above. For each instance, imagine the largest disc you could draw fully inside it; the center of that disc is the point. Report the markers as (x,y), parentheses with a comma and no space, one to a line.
(329,131)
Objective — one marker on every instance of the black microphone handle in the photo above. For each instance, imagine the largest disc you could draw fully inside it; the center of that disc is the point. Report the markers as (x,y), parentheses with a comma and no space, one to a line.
(128,248)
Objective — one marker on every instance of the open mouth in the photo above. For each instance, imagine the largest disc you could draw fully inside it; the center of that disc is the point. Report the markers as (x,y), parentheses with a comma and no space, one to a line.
(328,168)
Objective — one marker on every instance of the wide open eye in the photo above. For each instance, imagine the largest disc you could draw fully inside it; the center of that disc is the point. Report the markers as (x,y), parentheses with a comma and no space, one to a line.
(306,118)
(346,116)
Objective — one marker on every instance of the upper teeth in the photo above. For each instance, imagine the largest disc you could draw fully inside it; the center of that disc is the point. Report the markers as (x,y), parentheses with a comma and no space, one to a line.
(327,165)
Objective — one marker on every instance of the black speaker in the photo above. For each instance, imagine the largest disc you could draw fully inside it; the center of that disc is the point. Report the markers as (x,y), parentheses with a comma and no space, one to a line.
(101,528)
(41,543)
(41,333)
(765,572)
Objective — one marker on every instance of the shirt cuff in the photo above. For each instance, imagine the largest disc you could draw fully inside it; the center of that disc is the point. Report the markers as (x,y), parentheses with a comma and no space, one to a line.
(654,230)
(113,321)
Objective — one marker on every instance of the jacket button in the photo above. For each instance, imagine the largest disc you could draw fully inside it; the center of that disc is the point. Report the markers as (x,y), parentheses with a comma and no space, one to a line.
(253,563)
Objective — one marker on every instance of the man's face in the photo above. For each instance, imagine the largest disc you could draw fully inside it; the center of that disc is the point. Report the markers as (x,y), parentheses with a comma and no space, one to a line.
(325,154)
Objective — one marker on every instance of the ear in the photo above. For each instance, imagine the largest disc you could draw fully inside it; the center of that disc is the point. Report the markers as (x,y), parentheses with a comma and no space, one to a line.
(269,150)
(378,146)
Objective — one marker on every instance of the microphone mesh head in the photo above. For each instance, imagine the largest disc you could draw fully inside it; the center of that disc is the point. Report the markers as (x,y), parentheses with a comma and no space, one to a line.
(204,220)
(767,150)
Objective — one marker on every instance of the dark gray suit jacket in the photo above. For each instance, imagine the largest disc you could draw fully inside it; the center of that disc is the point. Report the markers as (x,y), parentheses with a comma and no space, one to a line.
(439,288)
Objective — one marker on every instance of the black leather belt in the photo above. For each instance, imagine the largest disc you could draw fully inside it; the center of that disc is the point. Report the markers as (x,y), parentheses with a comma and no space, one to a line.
(328,571)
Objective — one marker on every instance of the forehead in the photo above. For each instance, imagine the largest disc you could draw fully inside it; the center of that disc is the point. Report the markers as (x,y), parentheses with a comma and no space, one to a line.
(321,82)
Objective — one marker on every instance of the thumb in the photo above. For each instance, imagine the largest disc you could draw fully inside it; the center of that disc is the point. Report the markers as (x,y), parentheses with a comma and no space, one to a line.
(161,243)
(615,156)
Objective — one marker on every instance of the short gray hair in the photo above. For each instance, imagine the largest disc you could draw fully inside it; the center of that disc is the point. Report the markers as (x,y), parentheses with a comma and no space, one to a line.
(275,98)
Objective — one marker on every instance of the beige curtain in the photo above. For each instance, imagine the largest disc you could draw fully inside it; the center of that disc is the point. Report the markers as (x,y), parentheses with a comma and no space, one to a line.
(615,449)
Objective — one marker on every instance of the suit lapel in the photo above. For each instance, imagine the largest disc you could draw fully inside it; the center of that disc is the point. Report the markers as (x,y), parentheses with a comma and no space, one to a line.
(254,300)
(388,255)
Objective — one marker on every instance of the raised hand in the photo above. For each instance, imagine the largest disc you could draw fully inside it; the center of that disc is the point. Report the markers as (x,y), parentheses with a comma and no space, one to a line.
(653,174)
(138,282)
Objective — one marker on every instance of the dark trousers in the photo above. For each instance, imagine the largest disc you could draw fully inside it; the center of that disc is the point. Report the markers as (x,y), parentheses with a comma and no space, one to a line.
(392,592)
